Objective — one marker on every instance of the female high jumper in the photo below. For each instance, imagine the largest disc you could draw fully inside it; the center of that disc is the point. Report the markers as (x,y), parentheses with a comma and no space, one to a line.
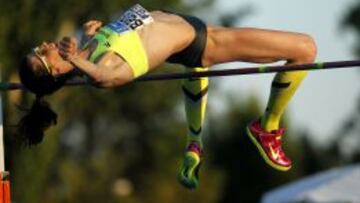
(139,42)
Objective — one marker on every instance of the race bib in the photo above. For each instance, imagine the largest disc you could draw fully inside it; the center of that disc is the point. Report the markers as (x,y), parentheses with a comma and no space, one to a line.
(118,27)
(143,13)
(136,17)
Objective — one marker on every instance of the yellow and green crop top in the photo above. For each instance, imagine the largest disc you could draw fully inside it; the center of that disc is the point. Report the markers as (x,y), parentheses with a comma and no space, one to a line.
(121,37)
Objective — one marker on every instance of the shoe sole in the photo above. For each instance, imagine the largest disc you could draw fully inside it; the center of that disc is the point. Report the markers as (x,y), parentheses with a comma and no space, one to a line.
(264,155)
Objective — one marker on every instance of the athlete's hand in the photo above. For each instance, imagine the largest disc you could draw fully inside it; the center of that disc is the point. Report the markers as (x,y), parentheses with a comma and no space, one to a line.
(91,27)
(68,47)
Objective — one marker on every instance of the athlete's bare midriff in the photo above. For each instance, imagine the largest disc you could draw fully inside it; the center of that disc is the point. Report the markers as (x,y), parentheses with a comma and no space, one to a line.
(168,34)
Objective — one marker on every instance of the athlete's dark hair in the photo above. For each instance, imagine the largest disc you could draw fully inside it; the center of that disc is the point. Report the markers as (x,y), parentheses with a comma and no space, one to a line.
(40,116)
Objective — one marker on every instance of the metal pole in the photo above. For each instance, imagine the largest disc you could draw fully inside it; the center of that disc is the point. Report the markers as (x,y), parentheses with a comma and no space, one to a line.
(4,175)
(2,155)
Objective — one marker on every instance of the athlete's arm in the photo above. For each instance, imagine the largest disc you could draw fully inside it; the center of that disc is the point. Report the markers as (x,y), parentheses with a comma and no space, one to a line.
(104,73)
(107,72)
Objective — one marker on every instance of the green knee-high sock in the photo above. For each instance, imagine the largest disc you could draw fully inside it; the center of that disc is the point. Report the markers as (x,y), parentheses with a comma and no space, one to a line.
(195,94)
(283,88)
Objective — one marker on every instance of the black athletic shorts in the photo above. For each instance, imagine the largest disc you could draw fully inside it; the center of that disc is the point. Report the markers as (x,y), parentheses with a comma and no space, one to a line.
(191,56)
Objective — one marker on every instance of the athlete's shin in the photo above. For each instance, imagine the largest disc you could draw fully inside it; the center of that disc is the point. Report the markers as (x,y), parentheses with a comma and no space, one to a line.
(283,88)
(195,94)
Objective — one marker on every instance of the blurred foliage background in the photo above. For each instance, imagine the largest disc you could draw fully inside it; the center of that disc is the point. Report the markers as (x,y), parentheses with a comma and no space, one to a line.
(125,145)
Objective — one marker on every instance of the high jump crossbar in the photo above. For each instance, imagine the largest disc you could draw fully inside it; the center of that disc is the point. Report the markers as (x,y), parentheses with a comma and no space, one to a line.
(217,73)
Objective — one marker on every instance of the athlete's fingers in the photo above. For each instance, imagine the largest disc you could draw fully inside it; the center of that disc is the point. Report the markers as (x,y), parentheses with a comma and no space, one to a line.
(68,43)
(73,42)
(65,42)
(69,40)
(92,22)
(91,27)
(65,48)
(65,51)
(97,23)
(89,24)
(64,54)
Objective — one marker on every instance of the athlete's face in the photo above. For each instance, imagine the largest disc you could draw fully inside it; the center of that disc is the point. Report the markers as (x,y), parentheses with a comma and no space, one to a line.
(47,56)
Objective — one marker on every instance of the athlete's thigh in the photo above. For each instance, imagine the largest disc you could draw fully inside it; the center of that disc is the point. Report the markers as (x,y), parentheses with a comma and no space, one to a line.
(254,45)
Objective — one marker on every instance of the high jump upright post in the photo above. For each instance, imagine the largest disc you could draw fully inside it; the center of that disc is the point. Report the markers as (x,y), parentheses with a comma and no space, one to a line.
(5,182)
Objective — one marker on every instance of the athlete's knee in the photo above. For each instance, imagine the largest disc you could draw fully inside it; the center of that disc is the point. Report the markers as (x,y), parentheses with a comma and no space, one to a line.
(307,49)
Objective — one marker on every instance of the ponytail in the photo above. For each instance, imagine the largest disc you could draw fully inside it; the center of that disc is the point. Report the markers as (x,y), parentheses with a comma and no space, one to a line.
(40,116)
(38,119)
